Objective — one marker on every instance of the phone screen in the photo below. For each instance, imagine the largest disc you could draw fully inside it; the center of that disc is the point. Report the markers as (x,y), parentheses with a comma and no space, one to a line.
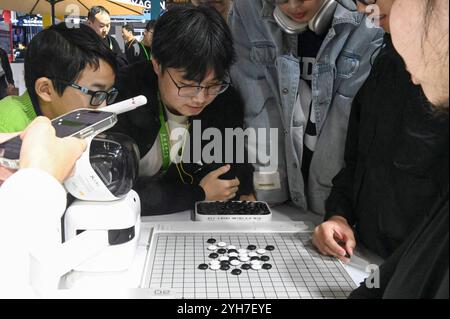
(67,125)
(71,123)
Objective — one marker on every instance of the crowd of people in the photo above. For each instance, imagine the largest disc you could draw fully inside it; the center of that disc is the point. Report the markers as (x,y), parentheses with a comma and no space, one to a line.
(357,90)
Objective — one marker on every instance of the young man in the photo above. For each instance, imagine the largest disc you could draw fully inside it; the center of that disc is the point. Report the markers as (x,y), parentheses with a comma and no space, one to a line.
(132,46)
(419,268)
(300,63)
(188,92)
(65,69)
(147,40)
(394,143)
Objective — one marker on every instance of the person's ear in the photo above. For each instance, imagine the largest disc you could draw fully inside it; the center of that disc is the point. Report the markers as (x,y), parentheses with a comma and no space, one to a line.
(44,89)
(156,67)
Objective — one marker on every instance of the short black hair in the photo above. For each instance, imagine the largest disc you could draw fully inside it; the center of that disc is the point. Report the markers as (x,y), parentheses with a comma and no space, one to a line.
(150,25)
(128,27)
(63,52)
(96,10)
(194,39)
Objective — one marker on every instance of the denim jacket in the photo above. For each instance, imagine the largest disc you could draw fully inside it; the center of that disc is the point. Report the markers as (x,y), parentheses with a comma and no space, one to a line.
(267,74)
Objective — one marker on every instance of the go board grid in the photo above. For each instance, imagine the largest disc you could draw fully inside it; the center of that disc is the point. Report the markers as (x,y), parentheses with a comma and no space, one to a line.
(298,271)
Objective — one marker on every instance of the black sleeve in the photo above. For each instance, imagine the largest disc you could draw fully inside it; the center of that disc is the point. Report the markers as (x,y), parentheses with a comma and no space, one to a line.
(166,196)
(243,171)
(340,201)
(120,56)
(7,67)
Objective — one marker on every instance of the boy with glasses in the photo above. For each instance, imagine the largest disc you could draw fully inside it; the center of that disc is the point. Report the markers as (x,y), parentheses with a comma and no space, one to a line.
(186,85)
(65,69)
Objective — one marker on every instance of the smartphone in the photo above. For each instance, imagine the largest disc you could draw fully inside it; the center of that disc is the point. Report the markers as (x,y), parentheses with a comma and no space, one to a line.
(80,123)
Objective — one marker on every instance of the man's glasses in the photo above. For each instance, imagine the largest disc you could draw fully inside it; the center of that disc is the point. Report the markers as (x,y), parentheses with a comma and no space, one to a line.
(97,97)
(194,90)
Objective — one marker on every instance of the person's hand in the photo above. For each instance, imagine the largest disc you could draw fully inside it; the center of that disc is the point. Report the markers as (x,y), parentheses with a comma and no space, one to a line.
(41,149)
(335,238)
(217,189)
(248,198)
(11,86)
(6,172)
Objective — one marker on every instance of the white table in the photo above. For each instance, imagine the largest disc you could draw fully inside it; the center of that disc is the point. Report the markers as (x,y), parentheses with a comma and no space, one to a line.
(126,282)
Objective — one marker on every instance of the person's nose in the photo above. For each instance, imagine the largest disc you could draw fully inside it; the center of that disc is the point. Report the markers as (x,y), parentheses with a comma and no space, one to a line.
(201,97)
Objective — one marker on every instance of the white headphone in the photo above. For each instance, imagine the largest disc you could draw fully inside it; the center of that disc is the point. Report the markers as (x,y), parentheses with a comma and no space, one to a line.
(319,24)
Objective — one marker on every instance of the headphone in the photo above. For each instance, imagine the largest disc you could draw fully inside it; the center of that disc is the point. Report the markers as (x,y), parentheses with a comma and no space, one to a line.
(319,24)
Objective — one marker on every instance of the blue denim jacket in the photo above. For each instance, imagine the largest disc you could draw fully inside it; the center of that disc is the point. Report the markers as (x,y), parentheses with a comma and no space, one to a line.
(267,74)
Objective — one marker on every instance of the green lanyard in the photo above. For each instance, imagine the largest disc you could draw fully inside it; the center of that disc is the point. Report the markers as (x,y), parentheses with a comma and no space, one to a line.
(149,56)
(164,137)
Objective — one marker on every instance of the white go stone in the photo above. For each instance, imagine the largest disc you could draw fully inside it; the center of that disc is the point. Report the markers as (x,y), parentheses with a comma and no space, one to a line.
(214,262)
(243,255)
(215,266)
(242,251)
(261,251)
(222,258)
(235,262)
(255,262)
(233,254)
(244,259)
(212,247)
(231,247)
(256,266)
(221,244)
(252,254)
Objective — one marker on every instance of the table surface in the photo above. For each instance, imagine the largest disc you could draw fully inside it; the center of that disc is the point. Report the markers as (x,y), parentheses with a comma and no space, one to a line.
(126,283)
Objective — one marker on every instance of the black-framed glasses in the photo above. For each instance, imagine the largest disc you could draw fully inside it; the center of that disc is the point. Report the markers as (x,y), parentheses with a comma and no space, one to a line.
(194,90)
(97,97)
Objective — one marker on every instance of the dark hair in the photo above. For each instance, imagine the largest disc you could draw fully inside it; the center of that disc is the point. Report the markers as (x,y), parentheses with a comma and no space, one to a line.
(194,39)
(96,10)
(63,52)
(150,25)
(128,27)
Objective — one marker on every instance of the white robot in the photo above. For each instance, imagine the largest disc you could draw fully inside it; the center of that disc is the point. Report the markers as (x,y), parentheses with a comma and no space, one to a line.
(100,230)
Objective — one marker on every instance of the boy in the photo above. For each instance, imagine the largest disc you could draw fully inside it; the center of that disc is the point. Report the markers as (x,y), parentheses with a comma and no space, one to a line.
(186,85)
(65,69)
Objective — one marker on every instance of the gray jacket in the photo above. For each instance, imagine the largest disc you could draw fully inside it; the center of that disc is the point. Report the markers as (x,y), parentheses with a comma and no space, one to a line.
(267,75)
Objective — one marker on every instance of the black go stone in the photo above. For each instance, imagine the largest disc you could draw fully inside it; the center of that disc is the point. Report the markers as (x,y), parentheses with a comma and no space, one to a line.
(270,247)
(225,262)
(254,258)
(211,241)
(267,266)
(225,267)
(221,251)
(232,251)
(246,266)
(203,266)
(233,258)
(251,247)
(236,272)
(264,258)
(213,255)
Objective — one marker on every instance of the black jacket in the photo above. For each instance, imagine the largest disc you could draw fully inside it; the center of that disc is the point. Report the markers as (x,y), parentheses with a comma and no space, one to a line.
(419,268)
(167,193)
(8,76)
(112,43)
(394,152)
